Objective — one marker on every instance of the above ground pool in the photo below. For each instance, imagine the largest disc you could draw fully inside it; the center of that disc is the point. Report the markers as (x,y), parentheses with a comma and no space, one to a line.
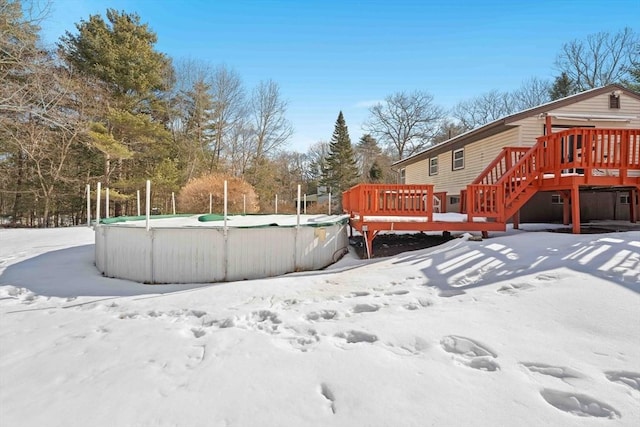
(206,248)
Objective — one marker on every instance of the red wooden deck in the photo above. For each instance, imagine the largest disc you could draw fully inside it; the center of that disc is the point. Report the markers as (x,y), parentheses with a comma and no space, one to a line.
(565,162)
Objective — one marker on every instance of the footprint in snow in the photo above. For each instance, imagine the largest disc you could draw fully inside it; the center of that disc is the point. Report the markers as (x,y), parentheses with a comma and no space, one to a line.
(198,332)
(398,292)
(578,404)
(470,353)
(130,315)
(328,394)
(195,356)
(553,371)
(322,315)
(631,379)
(514,288)
(303,340)
(365,308)
(354,337)
(448,293)
(548,277)
(360,294)
(262,320)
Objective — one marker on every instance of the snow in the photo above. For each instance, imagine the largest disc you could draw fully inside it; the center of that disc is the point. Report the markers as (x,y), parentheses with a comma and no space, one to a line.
(438,217)
(235,221)
(526,328)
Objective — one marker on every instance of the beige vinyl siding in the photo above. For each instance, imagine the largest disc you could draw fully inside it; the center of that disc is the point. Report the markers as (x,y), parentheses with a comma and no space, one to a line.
(476,157)
(533,127)
(530,129)
(600,105)
(479,154)
(418,173)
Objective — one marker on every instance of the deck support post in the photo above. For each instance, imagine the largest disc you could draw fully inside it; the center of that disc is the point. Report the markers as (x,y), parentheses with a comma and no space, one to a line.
(368,235)
(516,220)
(566,207)
(575,209)
(633,204)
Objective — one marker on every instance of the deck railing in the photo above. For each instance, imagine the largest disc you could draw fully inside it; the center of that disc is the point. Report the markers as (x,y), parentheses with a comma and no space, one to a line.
(579,151)
(591,152)
(496,200)
(513,177)
(508,157)
(389,200)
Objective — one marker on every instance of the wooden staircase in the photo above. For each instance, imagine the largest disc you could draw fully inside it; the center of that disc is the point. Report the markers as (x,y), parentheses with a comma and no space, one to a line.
(518,173)
(564,162)
(505,185)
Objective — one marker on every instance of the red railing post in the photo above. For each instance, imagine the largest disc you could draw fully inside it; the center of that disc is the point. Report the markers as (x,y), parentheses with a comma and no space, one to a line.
(625,140)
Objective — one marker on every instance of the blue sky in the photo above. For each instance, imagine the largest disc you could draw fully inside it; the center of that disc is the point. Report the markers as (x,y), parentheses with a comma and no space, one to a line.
(330,55)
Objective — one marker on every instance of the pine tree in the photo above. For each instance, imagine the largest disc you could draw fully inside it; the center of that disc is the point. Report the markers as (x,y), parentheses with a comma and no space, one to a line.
(367,151)
(375,172)
(119,54)
(562,87)
(340,170)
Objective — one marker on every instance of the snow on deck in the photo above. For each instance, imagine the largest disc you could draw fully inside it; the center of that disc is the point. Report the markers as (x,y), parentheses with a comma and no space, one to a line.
(436,217)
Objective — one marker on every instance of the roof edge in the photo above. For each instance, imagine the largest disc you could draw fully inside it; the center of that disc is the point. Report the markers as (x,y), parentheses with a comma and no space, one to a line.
(506,120)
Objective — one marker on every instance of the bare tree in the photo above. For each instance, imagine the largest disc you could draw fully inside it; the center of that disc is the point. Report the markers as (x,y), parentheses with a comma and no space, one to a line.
(533,92)
(241,148)
(49,132)
(229,110)
(601,59)
(191,111)
(484,109)
(314,158)
(405,121)
(448,129)
(19,50)
(268,109)
(41,113)
(495,104)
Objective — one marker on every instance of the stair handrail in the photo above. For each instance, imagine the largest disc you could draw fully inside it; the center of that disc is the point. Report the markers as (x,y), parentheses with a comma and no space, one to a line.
(522,174)
(495,170)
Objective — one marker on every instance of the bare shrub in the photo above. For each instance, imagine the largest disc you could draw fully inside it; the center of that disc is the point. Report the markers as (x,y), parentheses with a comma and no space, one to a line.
(194,197)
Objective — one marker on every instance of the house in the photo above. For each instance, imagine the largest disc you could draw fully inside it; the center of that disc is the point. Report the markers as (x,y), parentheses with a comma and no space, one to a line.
(456,163)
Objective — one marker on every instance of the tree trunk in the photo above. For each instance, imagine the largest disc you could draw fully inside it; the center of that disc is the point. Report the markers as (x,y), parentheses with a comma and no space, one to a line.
(15,211)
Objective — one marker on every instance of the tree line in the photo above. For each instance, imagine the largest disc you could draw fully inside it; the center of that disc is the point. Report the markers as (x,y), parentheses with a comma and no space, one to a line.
(106,106)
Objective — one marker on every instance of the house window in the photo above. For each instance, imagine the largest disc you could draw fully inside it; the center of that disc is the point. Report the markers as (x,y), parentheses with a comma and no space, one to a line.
(624,199)
(454,200)
(402,176)
(433,166)
(556,199)
(458,159)
(614,101)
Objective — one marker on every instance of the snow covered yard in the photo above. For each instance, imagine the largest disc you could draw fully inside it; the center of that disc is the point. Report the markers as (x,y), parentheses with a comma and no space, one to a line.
(522,329)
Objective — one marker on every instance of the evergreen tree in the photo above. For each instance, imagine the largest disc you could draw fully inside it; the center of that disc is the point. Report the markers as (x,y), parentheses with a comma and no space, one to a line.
(375,172)
(367,151)
(118,55)
(340,170)
(121,54)
(562,87)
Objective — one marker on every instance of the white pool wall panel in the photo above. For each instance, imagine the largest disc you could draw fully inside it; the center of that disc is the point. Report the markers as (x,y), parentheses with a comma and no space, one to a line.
(320,246)
(126,253)
(211,254)
(183,256)
(255,253)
